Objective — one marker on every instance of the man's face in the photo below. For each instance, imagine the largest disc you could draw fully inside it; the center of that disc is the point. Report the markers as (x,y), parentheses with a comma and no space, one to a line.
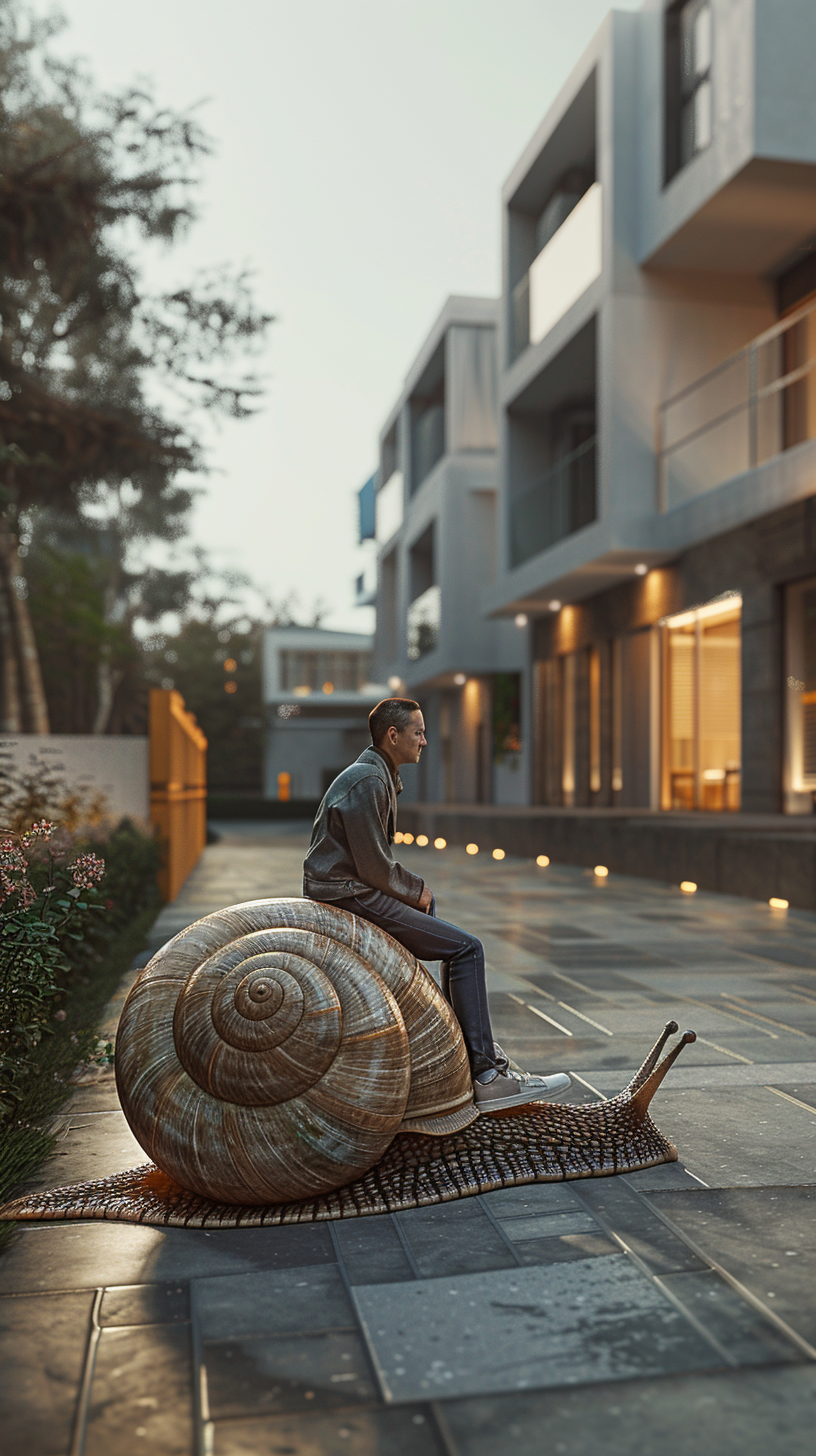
(408,744)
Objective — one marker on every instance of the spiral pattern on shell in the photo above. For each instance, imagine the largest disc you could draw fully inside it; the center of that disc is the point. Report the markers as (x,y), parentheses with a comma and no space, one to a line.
(271,1051)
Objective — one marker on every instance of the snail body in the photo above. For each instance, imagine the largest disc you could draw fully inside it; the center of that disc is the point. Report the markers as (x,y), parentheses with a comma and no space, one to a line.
(272,1051)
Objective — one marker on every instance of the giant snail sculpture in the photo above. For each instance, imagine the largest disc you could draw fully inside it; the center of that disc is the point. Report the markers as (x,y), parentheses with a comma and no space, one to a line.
(285,1061)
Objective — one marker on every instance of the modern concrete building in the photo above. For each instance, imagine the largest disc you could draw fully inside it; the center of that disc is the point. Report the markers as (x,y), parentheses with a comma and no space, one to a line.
(657,427)
(318,693)
(435,527)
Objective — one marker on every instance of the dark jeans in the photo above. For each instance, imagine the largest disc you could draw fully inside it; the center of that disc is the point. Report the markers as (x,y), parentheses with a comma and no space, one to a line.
(462,957)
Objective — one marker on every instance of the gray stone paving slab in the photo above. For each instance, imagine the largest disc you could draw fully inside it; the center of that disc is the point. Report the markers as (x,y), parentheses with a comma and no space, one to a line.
(383,1432)
(303,1372)
(739,1413)
(146,1304)
(141,1392)
(598,1319)
(372,1251)
(274,1302)
(554,1225)
(89,1255)
(765,1237)
(87,1142)
(42,1350)
(745,1137)
(748,1337)
(449,1240)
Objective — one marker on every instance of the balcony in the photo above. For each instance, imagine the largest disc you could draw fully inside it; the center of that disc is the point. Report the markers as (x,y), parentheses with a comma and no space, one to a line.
(559,503)
(561,273)
(751,408)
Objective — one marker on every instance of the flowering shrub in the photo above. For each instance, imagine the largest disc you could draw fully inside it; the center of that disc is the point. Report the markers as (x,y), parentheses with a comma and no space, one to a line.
(46,898)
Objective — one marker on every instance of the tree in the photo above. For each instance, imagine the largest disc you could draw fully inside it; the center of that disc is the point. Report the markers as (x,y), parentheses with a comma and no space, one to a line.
(90,358)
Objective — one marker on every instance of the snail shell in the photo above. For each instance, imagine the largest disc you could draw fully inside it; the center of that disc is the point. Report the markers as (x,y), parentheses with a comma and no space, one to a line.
(272,1051)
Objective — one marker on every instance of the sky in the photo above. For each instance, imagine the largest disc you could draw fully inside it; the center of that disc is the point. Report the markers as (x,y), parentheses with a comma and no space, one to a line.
(361,146)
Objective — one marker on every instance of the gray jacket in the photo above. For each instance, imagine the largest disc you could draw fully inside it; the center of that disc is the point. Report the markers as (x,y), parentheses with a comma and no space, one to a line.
(350,850)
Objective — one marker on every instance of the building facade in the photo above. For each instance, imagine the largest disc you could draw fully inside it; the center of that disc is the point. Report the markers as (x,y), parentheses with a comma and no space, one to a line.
(436,532)
(318,693)
(656,455)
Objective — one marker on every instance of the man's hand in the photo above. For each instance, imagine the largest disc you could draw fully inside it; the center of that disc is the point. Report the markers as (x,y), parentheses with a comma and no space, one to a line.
(425,900)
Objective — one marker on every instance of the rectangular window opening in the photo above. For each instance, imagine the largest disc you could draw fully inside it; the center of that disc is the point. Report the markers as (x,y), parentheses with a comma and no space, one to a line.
(702,708)
(689,107)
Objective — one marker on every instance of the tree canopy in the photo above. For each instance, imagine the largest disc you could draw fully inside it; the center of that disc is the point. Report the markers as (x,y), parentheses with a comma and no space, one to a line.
(103,383)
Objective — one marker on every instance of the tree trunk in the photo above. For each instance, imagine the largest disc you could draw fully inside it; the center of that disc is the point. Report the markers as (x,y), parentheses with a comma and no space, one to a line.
(11,718)
(21,646)
(108,679)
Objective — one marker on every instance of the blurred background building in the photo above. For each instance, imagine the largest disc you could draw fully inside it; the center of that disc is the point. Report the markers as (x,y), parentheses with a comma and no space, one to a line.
(595,513)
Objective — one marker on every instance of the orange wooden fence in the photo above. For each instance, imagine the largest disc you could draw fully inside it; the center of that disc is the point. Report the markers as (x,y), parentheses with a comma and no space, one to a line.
(178,787)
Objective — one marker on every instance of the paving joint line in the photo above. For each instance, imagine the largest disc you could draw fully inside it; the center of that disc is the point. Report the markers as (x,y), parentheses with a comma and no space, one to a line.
(503,1235)
(80,1430)
(795,1100)
(655,1280)
(203,1428)
(769,1314)
(406,1247)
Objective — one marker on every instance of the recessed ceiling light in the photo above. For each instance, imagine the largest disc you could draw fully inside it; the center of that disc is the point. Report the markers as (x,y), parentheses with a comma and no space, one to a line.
(554,606)
(521,619)
(460,679)
(641,569)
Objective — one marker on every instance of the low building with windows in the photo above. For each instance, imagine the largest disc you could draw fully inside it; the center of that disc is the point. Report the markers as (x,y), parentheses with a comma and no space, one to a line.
(318,692)
(435,529)
(656,446)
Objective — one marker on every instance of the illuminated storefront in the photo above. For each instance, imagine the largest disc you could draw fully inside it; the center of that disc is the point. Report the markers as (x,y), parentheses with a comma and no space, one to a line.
(702,707)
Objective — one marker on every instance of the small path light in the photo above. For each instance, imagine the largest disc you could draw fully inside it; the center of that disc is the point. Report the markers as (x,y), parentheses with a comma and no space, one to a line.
(471,849)
(407,838)
(542,860)
(601,871)
(777,904)
(688,887)
(498,854)
(440,843)
(422,840)
(399,838)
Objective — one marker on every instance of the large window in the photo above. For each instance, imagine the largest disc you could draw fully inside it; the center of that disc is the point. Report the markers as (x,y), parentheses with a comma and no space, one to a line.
(689,104)
(702,708)
(800,695)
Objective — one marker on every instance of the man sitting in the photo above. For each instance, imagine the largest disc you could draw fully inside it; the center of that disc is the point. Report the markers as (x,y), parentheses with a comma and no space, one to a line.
(350,864)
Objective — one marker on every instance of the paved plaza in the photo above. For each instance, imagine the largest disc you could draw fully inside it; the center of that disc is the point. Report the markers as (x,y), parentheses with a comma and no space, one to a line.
(667,1311)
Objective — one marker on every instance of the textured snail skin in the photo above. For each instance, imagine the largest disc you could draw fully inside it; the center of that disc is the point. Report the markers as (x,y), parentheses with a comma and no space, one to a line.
(272,1051)
(541,1143)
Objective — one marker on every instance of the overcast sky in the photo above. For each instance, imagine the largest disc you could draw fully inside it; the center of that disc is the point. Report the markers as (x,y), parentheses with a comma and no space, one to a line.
(361,148)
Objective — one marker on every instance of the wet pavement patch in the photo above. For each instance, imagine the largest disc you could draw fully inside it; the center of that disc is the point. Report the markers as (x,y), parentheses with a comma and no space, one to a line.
(563,1324)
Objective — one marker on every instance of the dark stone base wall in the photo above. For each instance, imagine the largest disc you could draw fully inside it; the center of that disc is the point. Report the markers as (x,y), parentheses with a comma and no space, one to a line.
(730,854)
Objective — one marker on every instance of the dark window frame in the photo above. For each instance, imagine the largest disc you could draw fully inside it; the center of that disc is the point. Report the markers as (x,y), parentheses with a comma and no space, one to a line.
(680,93)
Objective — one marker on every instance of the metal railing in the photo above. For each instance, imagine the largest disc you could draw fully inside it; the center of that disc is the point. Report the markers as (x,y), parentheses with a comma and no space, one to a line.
(560,502)
(756,404)
(423,623)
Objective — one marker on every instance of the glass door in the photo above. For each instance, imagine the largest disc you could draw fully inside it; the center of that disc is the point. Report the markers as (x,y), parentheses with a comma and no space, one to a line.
(702,708)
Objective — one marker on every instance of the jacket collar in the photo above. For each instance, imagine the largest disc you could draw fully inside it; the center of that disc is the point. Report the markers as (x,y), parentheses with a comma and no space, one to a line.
(373,755)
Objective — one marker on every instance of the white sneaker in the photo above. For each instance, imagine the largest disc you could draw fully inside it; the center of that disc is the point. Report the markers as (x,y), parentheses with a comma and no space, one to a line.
(517,1089)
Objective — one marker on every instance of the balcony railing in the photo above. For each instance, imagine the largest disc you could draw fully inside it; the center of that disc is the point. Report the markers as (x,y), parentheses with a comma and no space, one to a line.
(749,409)
(562,501)
(424,618)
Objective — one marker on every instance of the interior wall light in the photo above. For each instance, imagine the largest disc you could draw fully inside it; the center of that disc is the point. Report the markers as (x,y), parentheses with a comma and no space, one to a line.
(554,606)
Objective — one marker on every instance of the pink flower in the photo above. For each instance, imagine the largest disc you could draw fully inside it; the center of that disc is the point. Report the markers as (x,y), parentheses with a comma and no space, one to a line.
(87,871)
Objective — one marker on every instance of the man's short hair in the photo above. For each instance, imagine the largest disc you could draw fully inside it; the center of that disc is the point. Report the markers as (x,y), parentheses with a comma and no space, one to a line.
(391,712)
